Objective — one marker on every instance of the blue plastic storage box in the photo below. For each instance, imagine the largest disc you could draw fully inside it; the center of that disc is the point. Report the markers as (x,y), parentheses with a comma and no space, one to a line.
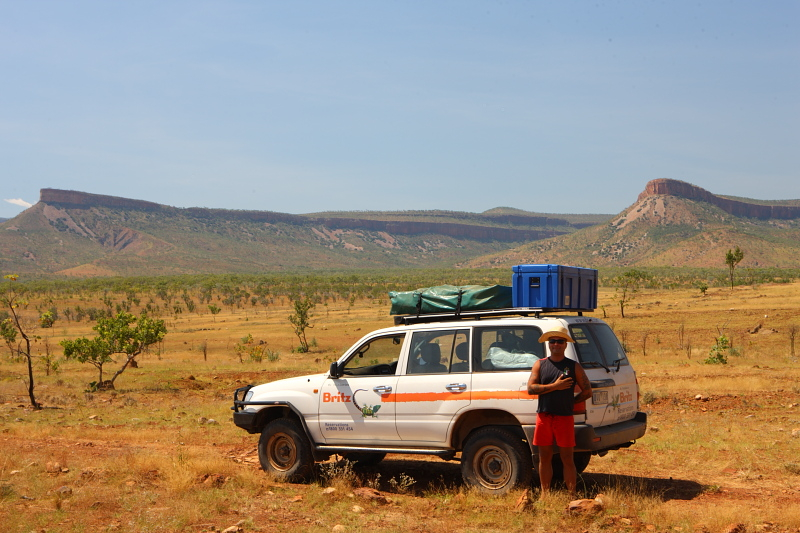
(555,287)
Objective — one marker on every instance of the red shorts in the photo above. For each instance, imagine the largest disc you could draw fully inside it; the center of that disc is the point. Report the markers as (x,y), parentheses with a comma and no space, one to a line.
(554,427)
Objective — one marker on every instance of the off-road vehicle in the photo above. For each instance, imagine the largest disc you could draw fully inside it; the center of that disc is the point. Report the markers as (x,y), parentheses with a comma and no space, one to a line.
(453,385)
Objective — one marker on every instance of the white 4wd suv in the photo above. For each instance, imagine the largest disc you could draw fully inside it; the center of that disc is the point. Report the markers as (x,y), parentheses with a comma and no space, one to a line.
(454,386)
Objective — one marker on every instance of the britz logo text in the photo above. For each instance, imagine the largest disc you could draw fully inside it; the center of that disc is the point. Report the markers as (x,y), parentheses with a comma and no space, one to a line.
(341,397)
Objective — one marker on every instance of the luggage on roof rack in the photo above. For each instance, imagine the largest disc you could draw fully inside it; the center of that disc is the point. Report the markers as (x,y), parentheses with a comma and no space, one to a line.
(468,315)
(450,299)
(555,286)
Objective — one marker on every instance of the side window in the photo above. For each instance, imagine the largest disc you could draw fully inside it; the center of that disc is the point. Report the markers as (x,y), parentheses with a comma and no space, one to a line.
(439,352)
(507,348)
(596,344)
(376,357)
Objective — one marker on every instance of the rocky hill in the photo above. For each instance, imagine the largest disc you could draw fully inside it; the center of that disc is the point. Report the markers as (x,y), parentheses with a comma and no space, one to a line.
(674,223)
(77,233)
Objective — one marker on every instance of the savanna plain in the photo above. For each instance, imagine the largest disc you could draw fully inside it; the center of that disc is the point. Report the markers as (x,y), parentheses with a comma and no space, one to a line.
(160,451)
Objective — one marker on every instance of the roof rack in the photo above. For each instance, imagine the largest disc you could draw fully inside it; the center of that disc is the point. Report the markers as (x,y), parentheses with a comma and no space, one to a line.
(407,320)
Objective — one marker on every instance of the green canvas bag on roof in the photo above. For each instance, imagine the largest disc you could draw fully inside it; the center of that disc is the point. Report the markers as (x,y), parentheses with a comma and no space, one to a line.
(449,298)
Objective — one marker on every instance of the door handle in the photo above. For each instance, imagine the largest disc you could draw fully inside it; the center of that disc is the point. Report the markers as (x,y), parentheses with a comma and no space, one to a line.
(456,387)
(382,389)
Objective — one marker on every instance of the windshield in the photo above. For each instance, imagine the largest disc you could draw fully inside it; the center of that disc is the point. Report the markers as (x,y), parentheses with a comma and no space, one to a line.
(597,345)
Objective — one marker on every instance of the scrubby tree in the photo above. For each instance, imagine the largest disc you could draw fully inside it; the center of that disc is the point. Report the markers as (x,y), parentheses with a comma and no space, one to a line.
(627,286)
(301,320)
(122,334)
(47,319)
(11,298)
(733,258)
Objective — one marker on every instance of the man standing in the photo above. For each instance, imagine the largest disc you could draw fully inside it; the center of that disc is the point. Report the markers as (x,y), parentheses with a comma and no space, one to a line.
(553,379)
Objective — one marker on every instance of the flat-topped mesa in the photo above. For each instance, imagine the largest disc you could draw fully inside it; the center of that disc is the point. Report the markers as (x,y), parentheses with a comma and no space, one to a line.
(737,208)
(83,199)
(77,199)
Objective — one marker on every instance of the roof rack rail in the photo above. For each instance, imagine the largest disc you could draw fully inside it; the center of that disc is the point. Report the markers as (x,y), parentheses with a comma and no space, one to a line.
(407,320)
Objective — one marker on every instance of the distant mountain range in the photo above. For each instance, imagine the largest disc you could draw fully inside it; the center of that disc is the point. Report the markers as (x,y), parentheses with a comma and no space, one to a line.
(80,234)
(672,223)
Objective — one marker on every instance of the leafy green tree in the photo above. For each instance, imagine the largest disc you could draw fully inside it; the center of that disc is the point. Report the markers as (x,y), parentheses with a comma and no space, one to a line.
(47,319)
(733,258)
(122,334)
(214,311)
(301,320)
(13,325)
(628,285)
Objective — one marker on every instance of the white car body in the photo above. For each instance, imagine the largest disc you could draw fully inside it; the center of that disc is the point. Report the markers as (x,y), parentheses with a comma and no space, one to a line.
(388,393)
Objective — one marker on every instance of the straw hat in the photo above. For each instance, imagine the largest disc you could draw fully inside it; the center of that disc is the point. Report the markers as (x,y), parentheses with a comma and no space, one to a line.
(558,331)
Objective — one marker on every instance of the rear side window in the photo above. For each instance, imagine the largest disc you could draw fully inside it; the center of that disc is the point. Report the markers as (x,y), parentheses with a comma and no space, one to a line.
(514,348)
(597,345)
(439,352)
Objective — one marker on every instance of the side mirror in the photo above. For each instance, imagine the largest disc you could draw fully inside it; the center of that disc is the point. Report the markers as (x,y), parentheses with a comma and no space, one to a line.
(334,371)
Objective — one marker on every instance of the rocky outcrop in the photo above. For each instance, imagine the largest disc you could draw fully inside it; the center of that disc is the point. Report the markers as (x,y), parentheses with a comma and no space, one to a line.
(737,208)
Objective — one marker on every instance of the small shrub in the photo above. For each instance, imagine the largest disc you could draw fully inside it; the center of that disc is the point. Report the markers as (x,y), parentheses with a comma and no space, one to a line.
(403,484)
(718,355)
(792,468)
(649,398)
(338,473)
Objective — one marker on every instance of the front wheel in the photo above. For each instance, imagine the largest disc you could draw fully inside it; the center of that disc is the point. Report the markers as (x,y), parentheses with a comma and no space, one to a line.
(495,460)
(284,451)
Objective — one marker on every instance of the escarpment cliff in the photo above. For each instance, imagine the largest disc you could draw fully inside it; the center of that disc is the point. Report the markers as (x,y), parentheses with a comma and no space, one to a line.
(737,208)
(62,198)
(81,234)
(76,199)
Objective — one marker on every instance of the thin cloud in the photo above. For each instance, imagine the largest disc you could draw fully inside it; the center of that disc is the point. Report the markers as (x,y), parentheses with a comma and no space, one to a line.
(18,201)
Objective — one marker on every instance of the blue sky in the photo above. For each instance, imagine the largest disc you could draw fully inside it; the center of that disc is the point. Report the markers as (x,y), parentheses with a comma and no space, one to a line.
(556,107)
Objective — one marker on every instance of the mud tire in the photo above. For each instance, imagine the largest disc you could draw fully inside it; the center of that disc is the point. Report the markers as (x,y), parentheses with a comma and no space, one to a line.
(495,460)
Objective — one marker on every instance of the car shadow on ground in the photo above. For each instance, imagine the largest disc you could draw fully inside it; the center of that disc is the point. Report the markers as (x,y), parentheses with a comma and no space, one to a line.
(662,488)
(428,475)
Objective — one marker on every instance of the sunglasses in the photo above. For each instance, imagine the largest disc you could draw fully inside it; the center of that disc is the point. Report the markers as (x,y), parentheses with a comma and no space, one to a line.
(557,341)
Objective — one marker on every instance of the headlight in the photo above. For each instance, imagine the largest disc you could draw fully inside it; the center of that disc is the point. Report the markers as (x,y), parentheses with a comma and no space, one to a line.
(248,396)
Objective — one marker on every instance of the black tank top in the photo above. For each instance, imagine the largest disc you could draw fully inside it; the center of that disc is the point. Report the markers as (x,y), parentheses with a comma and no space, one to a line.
(558,402)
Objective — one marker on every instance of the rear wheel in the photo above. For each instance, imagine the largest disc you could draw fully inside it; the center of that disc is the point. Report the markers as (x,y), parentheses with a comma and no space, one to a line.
(284,451)
(581,462)
(495,460)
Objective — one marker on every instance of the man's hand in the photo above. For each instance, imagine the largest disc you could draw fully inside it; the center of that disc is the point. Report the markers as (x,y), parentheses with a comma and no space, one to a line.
(563,382)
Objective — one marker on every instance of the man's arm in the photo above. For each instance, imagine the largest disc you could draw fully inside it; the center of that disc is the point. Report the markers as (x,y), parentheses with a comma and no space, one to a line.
(584,383)
(533,381)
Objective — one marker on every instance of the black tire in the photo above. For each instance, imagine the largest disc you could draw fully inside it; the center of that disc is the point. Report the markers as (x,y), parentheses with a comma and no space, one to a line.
(581,462)
(284,451)
(495,460)
(365,459)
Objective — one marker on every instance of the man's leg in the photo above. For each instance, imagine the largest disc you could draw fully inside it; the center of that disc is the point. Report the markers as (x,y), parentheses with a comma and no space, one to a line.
(570,472)
(546,467)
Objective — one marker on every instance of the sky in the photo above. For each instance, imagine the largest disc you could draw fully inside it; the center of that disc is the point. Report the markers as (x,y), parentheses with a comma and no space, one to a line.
(301,107)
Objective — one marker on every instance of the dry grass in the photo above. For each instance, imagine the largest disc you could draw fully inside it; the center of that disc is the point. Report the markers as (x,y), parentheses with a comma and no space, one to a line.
(146,458)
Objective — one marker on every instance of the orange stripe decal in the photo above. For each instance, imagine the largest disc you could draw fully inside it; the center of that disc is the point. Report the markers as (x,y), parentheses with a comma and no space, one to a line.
(403,397)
